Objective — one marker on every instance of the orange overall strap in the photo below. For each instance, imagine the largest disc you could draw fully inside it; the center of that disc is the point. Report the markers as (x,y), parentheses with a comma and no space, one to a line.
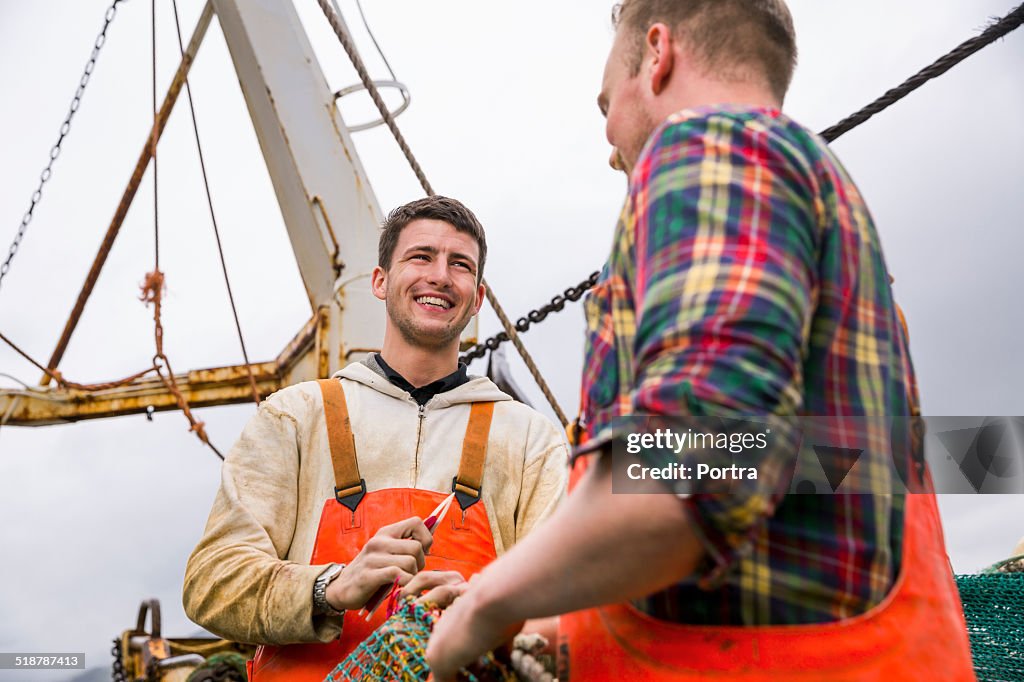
(467,484)
(349,486)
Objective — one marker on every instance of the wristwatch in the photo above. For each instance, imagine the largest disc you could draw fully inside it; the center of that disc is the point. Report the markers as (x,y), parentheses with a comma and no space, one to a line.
(320,605)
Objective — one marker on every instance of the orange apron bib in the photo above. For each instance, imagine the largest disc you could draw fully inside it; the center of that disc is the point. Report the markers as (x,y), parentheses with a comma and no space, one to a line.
(462,542)
(917,633)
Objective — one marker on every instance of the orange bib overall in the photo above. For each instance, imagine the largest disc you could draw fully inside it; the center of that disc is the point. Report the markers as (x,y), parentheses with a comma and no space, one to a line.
(917,633)
(462,541)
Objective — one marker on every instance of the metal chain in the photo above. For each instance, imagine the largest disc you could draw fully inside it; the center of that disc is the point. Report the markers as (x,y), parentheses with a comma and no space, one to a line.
(524,323)
(64,129)
(118,673)
(997,30)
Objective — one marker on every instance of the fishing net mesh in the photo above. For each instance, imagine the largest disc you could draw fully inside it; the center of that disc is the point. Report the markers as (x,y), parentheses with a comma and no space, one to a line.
(396,651)
(994,609)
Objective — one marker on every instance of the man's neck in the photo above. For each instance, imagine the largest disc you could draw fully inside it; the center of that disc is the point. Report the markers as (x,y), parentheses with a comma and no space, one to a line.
(706,92)
(420,366)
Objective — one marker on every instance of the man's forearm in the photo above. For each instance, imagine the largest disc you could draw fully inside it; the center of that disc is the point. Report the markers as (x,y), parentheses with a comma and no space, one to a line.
(597,548)
(249,597)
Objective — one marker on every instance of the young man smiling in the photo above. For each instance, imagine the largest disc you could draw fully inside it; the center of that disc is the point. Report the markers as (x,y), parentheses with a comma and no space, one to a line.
(323,496)
(432,289)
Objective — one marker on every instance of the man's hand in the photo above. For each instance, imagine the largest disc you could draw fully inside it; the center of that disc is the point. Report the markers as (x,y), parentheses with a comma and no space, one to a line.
(395,551)
(435,587)
(595,549)
(465,632)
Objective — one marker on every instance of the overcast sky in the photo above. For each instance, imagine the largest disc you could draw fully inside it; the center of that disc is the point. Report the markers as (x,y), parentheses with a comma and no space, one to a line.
(99,515)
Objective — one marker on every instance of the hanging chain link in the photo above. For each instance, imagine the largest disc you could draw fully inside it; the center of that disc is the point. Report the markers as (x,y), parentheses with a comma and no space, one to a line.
(523,323)
(64,128)
(118,673)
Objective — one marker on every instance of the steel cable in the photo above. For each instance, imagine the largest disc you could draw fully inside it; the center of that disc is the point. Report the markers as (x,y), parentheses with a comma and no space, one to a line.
(213,216)
(940,66)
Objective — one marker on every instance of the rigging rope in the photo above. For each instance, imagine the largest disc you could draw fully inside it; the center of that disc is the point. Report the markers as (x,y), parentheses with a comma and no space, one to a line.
(152,141)
(61,381)
(403,91)
(523,324)
(371,89)
(213,217)
(64,129)
(996,30)
(152,292)
(153,287)
(364,76)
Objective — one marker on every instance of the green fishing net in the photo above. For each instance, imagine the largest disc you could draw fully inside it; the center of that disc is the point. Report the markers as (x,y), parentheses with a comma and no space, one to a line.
(396,651)
(223,667)
(994,609)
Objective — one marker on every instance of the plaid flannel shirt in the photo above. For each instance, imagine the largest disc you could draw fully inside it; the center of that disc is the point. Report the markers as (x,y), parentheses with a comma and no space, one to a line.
(746,278)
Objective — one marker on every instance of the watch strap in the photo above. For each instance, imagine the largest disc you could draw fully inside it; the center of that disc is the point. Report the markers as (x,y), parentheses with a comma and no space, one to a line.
(321,606)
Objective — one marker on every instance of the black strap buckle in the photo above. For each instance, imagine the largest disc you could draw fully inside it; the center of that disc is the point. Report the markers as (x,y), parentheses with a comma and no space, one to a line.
(465,499)
(351,500)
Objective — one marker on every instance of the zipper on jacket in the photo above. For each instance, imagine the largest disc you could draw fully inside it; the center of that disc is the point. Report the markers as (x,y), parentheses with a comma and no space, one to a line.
(416,456)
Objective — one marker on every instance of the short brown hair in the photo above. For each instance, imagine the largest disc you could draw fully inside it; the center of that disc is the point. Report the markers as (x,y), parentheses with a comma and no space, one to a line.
(434,207)
(727,36)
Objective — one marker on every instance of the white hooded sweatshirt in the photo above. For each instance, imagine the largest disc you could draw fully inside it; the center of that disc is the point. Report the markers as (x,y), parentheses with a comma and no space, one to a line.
(249,580)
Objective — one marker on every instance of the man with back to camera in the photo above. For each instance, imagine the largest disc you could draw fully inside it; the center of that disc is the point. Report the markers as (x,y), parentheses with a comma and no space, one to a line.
(383,442)
(746,278)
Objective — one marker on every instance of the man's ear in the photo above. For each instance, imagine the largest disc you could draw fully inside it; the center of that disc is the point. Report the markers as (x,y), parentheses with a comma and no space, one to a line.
(658,49)
(480,294)
(379,283)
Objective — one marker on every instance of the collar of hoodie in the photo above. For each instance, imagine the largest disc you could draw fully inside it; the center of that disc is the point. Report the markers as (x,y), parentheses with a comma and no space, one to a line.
(476,390)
